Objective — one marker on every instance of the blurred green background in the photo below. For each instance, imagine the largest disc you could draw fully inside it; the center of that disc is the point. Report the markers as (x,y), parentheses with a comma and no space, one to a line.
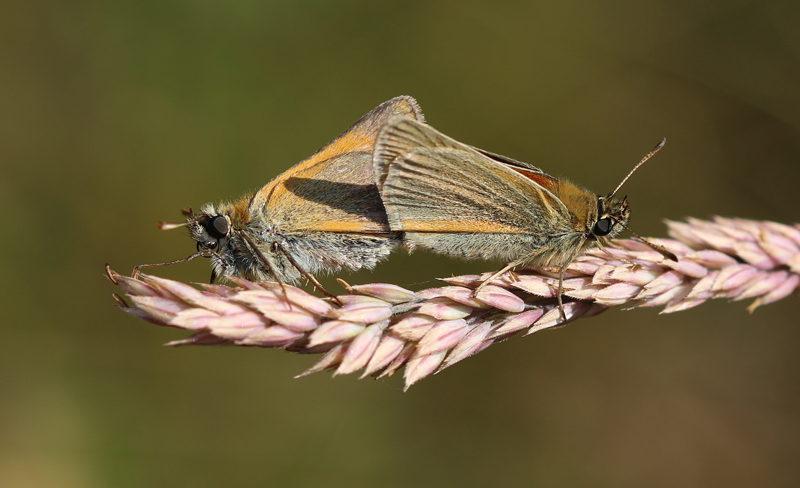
(115,115)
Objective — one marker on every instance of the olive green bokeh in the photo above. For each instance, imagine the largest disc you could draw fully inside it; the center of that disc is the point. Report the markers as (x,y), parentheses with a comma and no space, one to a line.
(115,115)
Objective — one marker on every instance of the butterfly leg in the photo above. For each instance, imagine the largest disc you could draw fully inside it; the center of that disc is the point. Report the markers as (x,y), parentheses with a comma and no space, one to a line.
(311,278)
(507,267)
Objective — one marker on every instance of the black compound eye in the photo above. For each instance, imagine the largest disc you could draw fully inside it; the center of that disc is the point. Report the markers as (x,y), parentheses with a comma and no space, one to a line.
(217,227)
(602,227)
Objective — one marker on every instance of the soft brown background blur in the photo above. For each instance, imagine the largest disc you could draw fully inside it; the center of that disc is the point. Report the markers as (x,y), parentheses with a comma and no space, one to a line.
(114,115)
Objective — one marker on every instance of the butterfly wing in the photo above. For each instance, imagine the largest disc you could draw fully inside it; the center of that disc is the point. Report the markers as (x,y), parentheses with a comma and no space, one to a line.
(326,212)
(334,189)
(450,198)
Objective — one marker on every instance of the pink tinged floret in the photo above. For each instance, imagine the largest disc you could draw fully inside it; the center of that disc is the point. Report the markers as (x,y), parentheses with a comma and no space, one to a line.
(500,298)
(791,233)
(735,228)
(649,257)
(552,318)
(636,274)
(604,273)
(236,333)
(458,294)
(476,340)
(159,309)
(710,258)
(734,276)
(262,286)
(357,299)
(222,306)
(273,336)
(294,295)
(737,292)
(683,232)
(364,312)
(677,299)
(195,297)
(300,321)
(753,254)
(779,247)
(443,336)
(384,291)
(132,286)
(585,292)
(470,281)
(195,319)
(279,310)
(722,242)
(334,331)
(576,284)
(503,280)
(586,266)
(663,283)
(516,323)
(398,362)
(537,285)
(222,291)
(310,303)
(631,245)
(703,288)
(686,267)
(141,314)
(331,359)
(413,327)
(794,264)
(668,296)
(679,249)
(782,290)
(387,351)
(444,309)
(301,303)
(763,285)
(262,299)
(360,350)
(617,294)
(165,287)
(609,252)
(684,304)
(203,338)
(419,367)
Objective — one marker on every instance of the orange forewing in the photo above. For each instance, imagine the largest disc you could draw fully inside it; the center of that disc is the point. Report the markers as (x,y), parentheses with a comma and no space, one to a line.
(334,189)
(322,215)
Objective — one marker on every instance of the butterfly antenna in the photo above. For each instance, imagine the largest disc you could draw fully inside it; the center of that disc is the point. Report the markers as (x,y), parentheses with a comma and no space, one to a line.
(656,247)
(174,225)
(170,225)
(647,156)
(203,253)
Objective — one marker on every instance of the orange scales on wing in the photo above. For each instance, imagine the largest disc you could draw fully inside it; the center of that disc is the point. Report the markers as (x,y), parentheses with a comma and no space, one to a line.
(323,193)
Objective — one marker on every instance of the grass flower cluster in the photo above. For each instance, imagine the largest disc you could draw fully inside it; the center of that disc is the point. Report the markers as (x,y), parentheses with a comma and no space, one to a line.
(379,328)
